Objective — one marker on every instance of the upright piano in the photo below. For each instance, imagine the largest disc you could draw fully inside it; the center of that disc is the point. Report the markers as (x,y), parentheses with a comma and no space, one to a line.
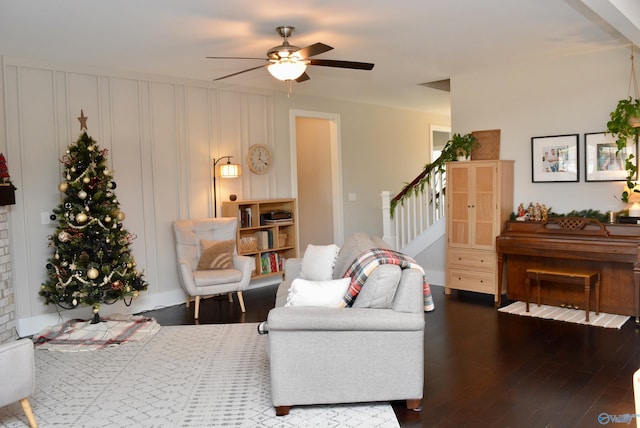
(574,242)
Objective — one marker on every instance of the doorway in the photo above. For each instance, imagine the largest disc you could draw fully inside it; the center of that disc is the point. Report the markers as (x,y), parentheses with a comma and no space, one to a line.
(317,182)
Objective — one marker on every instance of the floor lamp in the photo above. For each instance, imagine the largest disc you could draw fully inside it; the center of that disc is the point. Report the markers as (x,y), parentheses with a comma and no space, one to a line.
(228,170)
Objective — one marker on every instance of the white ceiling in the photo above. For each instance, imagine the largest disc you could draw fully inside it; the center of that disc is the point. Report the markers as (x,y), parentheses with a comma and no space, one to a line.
(410,41)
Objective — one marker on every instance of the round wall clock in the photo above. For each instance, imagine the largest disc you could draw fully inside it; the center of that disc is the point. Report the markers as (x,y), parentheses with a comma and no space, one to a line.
(259,158)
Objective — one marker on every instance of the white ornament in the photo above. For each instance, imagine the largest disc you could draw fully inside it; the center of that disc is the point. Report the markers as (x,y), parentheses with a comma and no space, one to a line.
(82,194)
(92,273)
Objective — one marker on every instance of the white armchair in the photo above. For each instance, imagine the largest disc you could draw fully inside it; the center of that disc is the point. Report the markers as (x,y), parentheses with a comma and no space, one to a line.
(202,283)
(18,375)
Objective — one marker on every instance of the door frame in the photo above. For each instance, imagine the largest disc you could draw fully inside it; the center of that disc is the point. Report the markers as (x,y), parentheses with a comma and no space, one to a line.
(335,148)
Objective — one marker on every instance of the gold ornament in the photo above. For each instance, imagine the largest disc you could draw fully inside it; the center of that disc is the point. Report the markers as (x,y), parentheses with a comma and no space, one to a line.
(81,218)
(63,237)
(107,219)
(63,187)
(96,309)
(86,180)
(92,273)
(121,216)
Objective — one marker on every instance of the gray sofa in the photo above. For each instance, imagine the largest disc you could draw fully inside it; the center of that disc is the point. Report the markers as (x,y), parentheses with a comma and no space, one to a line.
(369,352)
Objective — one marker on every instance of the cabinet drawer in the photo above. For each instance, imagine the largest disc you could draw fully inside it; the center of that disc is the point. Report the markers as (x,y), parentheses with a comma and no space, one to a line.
(484,261)
(483,282)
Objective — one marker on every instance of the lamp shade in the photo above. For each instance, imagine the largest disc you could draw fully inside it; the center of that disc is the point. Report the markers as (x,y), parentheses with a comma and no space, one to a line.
(287,69)
(229,170)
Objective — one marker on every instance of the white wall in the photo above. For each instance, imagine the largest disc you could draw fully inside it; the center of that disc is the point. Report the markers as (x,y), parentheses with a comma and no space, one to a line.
(161,136)
(382,149)
(569,95)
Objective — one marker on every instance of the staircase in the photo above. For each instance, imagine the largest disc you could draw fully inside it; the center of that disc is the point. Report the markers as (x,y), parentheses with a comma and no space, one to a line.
(414,222)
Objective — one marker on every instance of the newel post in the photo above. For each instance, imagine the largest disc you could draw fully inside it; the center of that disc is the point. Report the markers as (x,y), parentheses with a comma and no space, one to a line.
(388,234)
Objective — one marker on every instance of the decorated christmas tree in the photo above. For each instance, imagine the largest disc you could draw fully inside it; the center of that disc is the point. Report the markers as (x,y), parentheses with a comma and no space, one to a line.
(91,262)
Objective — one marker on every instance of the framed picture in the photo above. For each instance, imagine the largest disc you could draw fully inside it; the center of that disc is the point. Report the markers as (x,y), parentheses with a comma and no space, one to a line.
(554,158)
(601,161)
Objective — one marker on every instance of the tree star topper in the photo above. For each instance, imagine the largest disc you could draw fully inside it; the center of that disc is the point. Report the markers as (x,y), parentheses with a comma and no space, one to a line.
(83,120)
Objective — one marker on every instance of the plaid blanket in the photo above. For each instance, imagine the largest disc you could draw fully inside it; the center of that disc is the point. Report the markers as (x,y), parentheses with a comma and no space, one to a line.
(79,335)
(365,264)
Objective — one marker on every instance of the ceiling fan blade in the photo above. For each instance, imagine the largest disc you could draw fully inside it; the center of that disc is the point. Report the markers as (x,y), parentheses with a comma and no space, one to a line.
(235,57)
(314,49)
(303,77)
(342,64)
(240,72)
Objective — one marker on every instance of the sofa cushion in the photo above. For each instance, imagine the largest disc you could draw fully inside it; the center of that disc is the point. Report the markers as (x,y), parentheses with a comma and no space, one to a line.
(318,262)
(355,245)
(317,293)
(380,288)
(216,254)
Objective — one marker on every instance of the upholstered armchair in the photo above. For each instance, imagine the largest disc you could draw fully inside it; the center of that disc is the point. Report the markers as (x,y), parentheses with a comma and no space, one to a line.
(208,263)
(18,375)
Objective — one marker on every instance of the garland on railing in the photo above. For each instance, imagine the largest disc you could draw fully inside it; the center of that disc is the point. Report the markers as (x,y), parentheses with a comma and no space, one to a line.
(458,145)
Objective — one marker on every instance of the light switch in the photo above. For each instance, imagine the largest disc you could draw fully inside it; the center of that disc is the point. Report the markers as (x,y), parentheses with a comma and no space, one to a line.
(352,197)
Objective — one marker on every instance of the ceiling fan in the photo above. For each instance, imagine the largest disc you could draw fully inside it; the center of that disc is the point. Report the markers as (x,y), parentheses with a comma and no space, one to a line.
(288,62)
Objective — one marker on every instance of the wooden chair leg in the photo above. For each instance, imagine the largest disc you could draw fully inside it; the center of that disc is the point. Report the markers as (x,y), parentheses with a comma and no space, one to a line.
(415,405)
(230,296)
(282,410)
(26,408)
(197,307)
(188,301)
(241,301)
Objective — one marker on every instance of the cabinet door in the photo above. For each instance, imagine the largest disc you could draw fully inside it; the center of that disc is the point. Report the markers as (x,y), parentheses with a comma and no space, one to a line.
(458,205)
(484,208)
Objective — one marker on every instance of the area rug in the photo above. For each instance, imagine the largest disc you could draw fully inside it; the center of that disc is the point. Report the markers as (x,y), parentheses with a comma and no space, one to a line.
(81,335)
(183,376)
(564,314)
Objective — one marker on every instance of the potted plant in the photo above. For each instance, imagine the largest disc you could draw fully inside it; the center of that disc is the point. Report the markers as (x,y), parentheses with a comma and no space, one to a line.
(625,126)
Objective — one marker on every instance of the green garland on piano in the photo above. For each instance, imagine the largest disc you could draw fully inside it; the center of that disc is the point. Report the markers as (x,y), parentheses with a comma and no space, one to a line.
(603,217)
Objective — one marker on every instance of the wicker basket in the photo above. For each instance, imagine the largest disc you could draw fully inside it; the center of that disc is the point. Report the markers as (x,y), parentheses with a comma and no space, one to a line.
(488,145)
(248,244)
(282,240)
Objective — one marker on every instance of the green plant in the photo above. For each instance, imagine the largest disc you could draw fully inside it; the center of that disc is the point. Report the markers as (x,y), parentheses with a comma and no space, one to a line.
(458,146)
(624,127)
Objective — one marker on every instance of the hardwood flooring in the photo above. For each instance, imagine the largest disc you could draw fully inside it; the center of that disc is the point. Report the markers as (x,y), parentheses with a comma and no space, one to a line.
(488,369)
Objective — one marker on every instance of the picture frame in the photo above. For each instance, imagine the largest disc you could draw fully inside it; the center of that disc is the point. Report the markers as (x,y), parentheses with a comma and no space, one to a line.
(601,162)
(555,159)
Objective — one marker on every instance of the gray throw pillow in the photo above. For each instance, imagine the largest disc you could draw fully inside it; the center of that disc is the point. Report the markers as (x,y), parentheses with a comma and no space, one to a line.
(379,289)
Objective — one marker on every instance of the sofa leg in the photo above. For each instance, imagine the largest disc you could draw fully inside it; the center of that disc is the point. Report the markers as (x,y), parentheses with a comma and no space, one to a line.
(282,410)
(415,405)
(26,407)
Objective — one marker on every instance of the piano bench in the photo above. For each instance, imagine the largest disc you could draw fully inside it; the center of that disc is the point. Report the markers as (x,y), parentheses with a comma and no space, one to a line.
(588,278)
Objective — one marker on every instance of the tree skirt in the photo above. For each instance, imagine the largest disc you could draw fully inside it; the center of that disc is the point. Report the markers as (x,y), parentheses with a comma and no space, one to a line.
(576,316)
(80,335)
(184,376)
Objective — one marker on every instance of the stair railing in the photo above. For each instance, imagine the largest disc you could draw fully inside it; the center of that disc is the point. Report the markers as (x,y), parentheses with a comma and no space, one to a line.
(419,205)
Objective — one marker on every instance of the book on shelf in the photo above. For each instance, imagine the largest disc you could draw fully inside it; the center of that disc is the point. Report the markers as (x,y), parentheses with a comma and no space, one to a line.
(271,262)
(263,239)
(244,215)
(279,221)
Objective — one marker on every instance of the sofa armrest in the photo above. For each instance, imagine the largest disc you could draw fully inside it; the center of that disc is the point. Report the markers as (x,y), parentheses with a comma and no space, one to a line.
(293,318)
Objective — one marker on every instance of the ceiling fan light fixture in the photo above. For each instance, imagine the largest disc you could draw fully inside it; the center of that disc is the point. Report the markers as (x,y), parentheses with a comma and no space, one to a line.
(286,69)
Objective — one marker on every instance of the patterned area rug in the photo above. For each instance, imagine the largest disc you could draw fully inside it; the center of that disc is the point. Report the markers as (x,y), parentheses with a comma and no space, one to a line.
(183,376)
(564,314)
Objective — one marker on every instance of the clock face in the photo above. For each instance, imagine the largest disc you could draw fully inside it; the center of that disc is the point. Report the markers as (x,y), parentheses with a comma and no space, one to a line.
(259,158)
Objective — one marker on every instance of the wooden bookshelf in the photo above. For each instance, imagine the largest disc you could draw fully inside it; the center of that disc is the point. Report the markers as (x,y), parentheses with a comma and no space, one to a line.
(269,242)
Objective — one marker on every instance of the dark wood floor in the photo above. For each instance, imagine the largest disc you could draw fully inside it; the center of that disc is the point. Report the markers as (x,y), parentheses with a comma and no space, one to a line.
(488,369)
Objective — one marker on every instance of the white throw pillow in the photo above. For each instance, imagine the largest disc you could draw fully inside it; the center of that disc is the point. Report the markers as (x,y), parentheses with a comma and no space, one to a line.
(317,293)
(318,262)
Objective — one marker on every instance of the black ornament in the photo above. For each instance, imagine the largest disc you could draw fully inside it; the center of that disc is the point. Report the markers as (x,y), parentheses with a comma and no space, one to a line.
(52,217)
(113,185)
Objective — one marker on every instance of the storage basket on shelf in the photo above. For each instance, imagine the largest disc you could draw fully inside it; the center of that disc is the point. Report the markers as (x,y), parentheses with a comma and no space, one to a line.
(282,239)
(248,244)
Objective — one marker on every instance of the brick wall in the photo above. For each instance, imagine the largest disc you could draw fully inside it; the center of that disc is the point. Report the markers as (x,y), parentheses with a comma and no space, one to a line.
(7,308)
